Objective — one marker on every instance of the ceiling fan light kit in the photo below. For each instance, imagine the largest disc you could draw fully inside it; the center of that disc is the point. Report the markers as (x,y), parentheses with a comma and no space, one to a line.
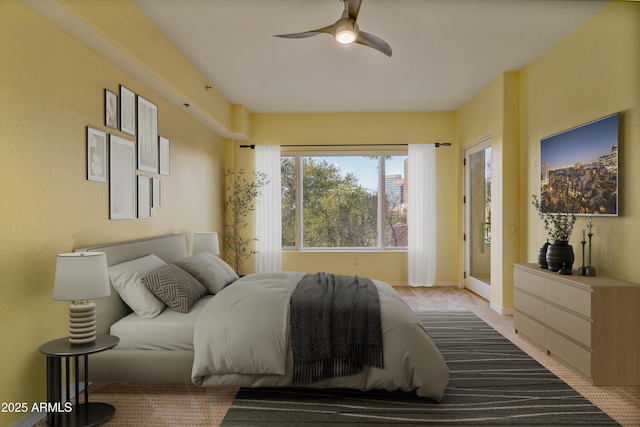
(346,30)
(346,37)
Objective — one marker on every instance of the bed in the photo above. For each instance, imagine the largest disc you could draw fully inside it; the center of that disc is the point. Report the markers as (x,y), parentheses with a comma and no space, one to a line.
(196,346)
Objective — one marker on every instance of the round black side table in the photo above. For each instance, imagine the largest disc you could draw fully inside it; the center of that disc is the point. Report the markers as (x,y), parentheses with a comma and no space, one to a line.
(82,414)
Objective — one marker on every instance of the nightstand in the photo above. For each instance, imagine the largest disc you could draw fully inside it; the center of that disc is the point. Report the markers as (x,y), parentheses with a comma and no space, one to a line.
(83,414)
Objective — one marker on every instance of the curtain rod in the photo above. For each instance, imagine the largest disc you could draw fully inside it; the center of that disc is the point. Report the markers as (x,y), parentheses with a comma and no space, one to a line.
(437,144)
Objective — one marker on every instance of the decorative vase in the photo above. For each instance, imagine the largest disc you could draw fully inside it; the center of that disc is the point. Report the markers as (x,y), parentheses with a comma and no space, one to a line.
(559,255)
(542,255)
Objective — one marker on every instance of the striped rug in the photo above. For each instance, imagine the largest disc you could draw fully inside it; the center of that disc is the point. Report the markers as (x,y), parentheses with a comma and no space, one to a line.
(492,383)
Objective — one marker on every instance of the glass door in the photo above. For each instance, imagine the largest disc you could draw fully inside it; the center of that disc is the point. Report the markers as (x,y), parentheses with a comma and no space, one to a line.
(477,234)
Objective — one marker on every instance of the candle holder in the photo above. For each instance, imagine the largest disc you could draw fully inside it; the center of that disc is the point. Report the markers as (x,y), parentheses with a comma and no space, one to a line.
(589,270)
(582,271)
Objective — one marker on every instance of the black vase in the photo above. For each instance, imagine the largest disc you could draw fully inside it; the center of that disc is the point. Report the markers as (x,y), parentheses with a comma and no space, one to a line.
(542,256)
(559,255)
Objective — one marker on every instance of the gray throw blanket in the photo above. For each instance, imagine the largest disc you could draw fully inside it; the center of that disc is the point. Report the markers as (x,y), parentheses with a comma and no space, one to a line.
(335,327)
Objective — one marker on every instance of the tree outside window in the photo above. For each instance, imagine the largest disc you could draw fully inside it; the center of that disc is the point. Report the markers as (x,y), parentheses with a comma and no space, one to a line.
(339,199)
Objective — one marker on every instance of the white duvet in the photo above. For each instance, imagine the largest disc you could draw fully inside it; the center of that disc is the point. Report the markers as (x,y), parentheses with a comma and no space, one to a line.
(241,338)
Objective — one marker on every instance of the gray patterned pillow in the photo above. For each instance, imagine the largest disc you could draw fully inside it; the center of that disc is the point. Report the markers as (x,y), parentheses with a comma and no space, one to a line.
(175,287)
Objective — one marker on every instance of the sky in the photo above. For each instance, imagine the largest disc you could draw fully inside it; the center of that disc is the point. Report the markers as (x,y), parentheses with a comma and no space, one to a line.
(366,169)
(583,144)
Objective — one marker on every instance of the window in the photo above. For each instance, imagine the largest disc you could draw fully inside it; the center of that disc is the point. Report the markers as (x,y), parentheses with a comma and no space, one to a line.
(340,201)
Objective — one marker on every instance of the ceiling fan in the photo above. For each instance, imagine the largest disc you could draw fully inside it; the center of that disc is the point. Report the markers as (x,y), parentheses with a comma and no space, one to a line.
(346,30)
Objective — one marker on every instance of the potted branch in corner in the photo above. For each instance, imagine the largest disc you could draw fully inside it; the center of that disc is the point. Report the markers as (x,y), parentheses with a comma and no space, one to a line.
(241,195)
(559,255)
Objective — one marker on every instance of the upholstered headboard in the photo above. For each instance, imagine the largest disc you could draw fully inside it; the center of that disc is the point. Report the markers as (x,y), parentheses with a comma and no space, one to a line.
(169,248)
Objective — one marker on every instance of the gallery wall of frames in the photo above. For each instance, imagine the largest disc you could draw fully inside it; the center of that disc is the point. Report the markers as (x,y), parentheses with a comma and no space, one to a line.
(131,161)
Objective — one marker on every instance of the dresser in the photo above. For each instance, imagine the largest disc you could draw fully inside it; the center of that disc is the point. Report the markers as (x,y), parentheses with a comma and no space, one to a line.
(590,323)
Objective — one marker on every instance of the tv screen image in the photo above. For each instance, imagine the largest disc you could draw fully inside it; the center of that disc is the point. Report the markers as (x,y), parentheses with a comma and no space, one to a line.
(579,169)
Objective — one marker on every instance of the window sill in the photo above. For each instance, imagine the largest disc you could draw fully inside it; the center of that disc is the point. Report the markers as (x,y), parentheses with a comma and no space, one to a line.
(344,250)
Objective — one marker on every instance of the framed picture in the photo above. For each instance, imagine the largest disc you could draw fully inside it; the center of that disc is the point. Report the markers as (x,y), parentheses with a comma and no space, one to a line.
(579,169)
(122,178)
(127,111)
(147,136)
(110,109)
(155,192)
(163,148)
(96,155)
(144,197)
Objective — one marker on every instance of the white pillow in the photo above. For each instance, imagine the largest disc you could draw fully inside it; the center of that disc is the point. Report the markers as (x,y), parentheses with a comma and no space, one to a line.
(126,279)
(210,270)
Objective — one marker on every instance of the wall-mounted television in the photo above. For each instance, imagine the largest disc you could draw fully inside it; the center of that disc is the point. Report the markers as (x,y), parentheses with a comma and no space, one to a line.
(579,169)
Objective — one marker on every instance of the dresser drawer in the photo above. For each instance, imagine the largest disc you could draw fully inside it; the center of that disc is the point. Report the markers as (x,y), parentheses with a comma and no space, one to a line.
(573,298)
(531,283)
(529,328)
(532,306)
(570,352)
(569,324)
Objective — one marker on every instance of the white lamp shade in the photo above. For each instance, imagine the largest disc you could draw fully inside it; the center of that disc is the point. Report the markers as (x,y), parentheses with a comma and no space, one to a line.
(81,276)
(205,242)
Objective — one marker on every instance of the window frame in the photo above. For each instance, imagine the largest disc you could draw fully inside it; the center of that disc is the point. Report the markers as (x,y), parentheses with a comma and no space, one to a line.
(381,214)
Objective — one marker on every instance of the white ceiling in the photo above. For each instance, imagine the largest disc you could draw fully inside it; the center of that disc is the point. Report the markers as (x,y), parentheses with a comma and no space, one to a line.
(444,51)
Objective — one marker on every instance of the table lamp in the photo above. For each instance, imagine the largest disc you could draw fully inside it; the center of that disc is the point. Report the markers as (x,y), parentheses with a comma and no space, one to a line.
(205,242)
(81,276)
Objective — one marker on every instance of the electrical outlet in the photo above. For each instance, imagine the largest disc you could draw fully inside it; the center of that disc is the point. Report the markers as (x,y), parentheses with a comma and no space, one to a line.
(356,261)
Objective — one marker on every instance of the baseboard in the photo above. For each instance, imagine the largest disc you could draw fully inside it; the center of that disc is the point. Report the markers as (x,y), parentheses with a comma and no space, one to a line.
(501,310)
(29,420)
(33,418)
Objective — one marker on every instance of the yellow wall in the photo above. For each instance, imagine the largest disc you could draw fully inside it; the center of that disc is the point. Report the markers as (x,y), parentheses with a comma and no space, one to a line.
(52,88)
(494,113)
(371,128)
(591,73)
(125,26)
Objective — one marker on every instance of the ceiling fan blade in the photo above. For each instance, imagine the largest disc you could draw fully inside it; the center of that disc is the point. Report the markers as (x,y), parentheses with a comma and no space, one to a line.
(328,30)
(375,42)
(353,7)
(298,35)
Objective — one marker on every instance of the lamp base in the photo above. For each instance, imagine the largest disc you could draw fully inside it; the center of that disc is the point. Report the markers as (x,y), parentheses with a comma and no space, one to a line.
(82,322)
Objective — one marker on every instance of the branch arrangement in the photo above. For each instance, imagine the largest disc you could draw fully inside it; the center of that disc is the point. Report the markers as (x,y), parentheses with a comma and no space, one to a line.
(559,226)
(241,195)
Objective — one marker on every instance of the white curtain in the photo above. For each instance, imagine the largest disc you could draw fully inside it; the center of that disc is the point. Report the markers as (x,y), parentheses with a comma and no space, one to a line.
(422,214)
(268,211)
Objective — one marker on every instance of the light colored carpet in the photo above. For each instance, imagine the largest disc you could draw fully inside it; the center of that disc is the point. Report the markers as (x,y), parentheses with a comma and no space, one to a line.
(190,406)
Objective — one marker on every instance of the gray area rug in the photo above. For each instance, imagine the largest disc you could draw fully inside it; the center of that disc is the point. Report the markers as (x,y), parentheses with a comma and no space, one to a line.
(492,383)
